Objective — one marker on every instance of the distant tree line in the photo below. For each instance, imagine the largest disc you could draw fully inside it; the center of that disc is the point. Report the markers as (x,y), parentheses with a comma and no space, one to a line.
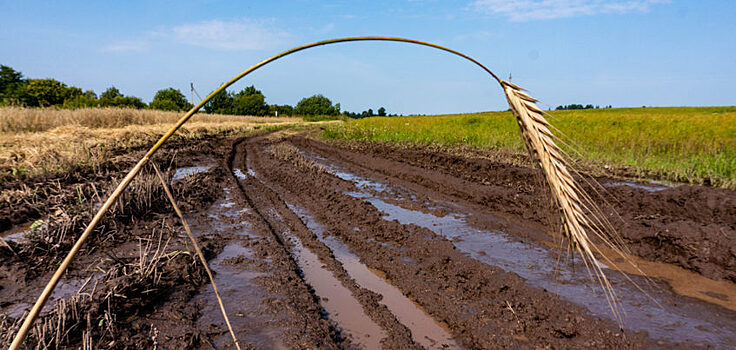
(579,106)
(19,91)
(381,112)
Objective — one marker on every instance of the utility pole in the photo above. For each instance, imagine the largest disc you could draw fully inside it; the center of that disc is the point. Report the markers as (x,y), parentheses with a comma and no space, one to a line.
(191,92)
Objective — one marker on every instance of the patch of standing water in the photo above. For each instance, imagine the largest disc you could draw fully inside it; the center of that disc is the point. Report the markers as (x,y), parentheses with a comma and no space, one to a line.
(239,174)
(242,296)
(337,300)
(181,173)
(359,181)
(425,331)
(64,290)
(17,232)
(671,316)
(652,187)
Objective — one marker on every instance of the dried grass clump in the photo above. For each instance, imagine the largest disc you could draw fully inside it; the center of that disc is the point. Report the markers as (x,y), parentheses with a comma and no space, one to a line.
(290,154)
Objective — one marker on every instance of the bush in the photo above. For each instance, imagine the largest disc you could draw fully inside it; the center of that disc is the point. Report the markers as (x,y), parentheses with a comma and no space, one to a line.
(82,101)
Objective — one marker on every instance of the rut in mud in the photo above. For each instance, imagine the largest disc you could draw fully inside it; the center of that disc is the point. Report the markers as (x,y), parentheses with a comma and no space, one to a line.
(361,245)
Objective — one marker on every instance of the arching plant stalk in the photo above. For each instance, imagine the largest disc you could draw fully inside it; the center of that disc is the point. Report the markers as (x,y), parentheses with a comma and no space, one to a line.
(564,189)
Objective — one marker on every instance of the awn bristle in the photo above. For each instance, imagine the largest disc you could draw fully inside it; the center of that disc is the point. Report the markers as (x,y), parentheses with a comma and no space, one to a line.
(580,216)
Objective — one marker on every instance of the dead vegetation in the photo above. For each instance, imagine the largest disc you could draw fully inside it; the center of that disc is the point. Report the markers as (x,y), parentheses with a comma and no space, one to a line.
(288,153)
(68,211)
(42,141)
(30,120)
(96,316)
(118,285)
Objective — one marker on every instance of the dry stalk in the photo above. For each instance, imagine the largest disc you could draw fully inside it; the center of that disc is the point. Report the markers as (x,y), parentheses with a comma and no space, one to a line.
(199,252)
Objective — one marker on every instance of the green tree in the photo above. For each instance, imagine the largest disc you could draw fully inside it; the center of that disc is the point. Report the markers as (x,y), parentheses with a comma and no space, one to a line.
(250,101)
(170,99)
(112,97)
(10,82)
(111,93)
(129,102)
(86,100)
(221,103)
(316,105)
(45,92)
(382,112)
(82,101)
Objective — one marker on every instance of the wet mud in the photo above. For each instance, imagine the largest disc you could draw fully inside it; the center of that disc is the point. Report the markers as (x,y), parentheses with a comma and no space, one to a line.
(360,246)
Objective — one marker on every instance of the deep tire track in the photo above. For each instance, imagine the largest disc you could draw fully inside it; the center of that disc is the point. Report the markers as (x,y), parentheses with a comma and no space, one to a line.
(316,330)
(471,297)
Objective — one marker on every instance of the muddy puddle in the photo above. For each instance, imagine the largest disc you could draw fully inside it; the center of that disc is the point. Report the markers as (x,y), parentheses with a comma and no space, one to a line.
(652,186)
(425,331)
(660,312)
(336,299)
(64,290)
(242,295)
(183,172)
(17,232)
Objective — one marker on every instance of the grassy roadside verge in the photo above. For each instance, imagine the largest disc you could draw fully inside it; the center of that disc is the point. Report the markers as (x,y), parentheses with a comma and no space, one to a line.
(51,141)
(680,144)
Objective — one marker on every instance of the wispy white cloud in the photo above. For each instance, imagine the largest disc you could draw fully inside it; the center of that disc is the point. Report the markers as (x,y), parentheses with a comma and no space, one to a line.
(239,35)
(526,10)
(235,35)
(127,46)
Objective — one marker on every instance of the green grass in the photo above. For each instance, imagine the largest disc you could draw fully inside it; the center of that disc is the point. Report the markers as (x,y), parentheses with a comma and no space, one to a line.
(684,144)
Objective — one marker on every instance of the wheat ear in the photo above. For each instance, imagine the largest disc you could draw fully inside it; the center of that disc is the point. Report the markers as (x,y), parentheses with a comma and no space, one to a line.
(580,215)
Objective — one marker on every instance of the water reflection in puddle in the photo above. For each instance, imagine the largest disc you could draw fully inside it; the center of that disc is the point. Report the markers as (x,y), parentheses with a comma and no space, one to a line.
(242,295)
(337,300)
(679,319)
(17,232)
(652,187)
(64,290)
(181,173)
(239,174)
(425,331)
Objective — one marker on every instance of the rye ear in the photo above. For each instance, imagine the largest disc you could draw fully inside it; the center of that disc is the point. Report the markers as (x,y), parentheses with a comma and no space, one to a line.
(580,216)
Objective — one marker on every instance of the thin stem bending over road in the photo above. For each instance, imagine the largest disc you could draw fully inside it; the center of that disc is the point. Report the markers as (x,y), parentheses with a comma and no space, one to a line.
(198,251)
(538,139)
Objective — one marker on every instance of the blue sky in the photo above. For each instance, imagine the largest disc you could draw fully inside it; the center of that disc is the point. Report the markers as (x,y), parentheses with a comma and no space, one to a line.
(617,52)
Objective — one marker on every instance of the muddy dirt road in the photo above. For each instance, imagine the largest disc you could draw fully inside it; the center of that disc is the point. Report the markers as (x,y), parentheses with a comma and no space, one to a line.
(362,245)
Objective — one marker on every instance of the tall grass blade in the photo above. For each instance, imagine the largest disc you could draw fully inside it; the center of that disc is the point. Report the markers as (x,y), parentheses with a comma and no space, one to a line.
(198,251)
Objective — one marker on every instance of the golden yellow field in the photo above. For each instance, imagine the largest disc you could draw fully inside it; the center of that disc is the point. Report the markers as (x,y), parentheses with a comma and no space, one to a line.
(37,141)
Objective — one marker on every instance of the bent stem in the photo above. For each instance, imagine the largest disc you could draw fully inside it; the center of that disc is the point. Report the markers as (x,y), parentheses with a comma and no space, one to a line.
(198,251)
(27,323)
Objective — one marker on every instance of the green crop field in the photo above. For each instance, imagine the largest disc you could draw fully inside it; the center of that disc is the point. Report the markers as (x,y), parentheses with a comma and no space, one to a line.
(683,144)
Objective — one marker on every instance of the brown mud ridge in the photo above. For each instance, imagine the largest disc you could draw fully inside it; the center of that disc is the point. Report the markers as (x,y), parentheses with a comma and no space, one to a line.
(359,245)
